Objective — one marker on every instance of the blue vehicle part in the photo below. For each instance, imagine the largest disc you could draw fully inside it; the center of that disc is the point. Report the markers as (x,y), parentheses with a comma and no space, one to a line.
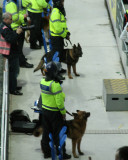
(36,108)
(60,148)
(4,3)
(53,148)
(55,57)
(50,45)
(45,45)
(45,60)
(36,103)
(62,138)
(51,3)
(62,132)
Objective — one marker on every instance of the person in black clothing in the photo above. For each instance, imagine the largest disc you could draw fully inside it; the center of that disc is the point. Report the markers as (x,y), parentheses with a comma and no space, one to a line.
(11,37)
(19,18)
(58,28)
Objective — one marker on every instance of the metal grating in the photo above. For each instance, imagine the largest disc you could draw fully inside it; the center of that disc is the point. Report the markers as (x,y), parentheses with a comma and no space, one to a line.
(113,131)
(116,86)
(118,131)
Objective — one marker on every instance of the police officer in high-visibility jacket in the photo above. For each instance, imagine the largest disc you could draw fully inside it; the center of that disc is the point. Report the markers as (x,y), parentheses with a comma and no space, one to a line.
(35,13)
(18,10)
(58,27)
(53,110)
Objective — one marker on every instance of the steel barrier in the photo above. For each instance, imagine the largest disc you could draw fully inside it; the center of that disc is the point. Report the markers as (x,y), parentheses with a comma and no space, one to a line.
(4,114)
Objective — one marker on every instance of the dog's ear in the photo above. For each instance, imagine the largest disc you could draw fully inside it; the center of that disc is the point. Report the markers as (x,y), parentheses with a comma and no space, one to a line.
(74,46)
(79,45)
(77,110)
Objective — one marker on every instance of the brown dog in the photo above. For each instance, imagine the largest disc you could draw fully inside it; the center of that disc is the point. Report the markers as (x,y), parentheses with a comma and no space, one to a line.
(75,130)
(70,57)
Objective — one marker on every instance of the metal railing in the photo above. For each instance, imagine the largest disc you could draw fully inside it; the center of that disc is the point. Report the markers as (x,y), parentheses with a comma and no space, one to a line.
(119,22)
(4,117)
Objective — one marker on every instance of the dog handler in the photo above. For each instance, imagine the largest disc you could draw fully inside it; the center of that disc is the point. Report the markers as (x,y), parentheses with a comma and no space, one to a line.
(53,110)
(58,28)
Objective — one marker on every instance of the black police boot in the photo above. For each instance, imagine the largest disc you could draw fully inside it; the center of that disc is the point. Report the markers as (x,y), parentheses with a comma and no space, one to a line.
(16,93)
(47,155)
(66,156)
(26,65)
(45,150)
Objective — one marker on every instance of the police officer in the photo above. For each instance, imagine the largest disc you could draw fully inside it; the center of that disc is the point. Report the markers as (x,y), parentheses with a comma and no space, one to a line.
(18,11)
(53,110)
(58,27)
(35,13)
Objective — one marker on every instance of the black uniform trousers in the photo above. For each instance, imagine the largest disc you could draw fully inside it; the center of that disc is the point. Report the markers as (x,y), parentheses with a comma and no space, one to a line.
(22,59)
(52,122)
(57,45)
(13,72)
(35,34)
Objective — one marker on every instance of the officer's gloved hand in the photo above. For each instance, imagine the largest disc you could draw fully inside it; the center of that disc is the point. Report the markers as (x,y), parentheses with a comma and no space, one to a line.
(68,36)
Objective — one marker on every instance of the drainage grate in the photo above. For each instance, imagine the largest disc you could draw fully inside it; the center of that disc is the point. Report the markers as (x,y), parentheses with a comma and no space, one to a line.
(118,131)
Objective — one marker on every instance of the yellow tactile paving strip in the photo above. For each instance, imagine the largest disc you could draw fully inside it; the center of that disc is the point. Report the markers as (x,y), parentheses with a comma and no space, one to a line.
(116,86)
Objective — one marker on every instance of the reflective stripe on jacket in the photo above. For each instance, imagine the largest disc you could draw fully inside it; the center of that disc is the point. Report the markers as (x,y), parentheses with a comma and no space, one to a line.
(4,46)
(38,5)
(58,26)
(52,96)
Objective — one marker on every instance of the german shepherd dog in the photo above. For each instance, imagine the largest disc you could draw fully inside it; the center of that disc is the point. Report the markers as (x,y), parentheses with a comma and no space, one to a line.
(75,130)
(70,57)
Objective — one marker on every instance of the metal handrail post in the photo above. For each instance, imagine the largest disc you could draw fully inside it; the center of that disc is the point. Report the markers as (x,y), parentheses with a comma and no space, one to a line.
(4,121)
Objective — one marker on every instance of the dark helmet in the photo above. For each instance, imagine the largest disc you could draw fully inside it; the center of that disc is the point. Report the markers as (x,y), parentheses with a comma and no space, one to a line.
(57,3)
(51,70)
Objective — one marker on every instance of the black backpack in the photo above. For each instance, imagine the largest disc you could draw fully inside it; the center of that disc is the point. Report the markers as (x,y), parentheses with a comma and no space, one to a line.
(20,122)
(19,115)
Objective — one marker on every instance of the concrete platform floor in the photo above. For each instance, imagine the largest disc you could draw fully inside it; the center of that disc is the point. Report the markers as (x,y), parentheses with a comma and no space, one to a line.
(89,25)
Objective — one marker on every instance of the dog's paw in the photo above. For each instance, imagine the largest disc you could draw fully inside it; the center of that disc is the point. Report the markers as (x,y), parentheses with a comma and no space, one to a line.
(70,77)
(77,74)
(81,153)
(75,156)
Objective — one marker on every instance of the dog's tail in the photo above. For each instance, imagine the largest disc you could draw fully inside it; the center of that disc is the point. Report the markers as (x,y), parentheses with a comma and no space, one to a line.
(40,65)
(38,131)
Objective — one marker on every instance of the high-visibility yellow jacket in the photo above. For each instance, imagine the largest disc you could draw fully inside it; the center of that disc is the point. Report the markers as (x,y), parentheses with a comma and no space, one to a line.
(38,5)
(52,96)
(58,26)
(17,12)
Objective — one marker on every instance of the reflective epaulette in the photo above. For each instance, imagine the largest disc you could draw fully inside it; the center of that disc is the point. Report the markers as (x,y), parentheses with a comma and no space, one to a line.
(47,89)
